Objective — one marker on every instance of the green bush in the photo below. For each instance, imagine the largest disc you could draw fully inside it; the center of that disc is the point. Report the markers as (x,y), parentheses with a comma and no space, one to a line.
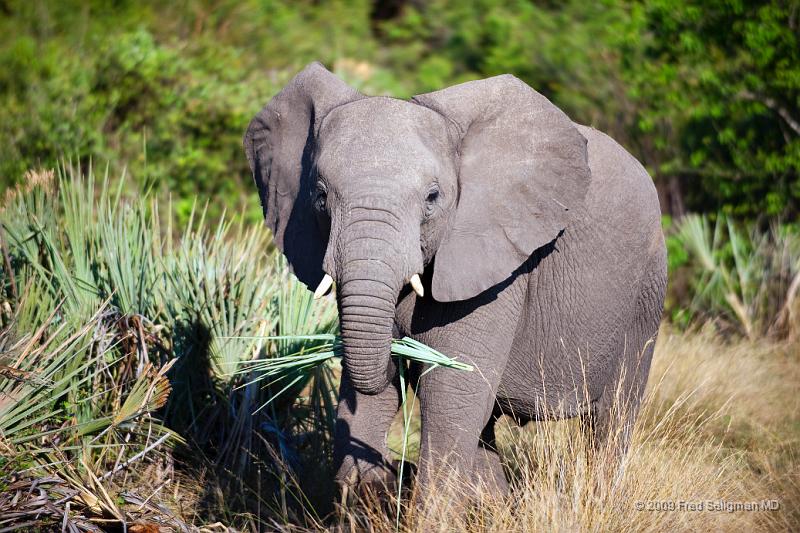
(704,94)
(172,121)
(103,300)
(742,276)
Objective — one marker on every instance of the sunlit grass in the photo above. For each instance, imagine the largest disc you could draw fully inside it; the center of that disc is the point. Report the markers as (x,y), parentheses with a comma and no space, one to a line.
(743,276)
(719,425)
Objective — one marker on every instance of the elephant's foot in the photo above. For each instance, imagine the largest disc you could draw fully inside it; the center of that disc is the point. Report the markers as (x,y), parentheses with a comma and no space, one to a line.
(609,432)
(362,493)
(359,479)
(467,494)
(489,473)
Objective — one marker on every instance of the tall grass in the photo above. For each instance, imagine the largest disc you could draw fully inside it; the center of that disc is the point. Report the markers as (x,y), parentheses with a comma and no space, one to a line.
(719,427)
(745,277)
(101,301)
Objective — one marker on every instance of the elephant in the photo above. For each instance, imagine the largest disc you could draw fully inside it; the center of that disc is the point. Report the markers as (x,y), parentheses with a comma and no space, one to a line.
(484,223)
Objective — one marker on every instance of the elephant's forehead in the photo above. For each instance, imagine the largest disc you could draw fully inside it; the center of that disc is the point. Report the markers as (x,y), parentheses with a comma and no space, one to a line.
(381,135)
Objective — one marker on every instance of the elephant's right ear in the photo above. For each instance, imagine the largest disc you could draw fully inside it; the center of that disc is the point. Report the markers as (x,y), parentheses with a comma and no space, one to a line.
(523,174)
(279,145)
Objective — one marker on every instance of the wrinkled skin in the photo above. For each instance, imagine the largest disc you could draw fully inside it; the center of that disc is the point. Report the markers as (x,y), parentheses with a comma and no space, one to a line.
(538,243)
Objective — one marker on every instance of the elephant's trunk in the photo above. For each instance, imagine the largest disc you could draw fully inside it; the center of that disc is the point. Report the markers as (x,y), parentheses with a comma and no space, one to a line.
(371,273)
(367,310)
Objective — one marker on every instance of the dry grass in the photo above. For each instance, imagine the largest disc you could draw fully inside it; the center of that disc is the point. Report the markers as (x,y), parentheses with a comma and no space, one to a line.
(720,425)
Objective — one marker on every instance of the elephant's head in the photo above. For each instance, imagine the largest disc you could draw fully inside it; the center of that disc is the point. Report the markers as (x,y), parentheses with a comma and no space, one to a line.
(369,191)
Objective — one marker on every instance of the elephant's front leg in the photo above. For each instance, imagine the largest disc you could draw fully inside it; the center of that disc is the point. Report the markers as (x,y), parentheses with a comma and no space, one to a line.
(361,454)
(456,406)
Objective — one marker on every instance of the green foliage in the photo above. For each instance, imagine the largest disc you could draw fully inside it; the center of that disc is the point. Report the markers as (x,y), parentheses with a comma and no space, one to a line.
(705,94)
(106,300)
(745,278)
(719,85)
(77,391)
(170,109)
(171,119)
(677,254)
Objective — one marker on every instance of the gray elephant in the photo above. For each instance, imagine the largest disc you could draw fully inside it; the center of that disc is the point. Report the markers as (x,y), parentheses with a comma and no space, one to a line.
(481,221)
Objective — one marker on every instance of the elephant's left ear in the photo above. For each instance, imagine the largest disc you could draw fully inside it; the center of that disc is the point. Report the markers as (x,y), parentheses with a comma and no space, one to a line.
(523,171)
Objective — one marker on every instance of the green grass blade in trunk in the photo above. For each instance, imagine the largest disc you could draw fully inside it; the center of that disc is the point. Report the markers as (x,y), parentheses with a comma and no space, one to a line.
(313,351)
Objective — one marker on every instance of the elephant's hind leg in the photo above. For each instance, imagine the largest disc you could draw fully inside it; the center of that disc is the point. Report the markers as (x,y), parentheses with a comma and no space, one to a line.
(488,465)
(611,420)
(609,423)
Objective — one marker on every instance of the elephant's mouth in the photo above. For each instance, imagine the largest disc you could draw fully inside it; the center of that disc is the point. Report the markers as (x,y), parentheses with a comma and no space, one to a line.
(366,316)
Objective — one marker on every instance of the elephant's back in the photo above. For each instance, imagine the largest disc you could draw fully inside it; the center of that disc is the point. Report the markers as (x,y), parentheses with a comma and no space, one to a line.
(621,194)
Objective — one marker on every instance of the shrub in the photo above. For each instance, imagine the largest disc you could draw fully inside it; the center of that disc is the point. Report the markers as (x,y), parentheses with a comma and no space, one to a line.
(744,277)
(104,301)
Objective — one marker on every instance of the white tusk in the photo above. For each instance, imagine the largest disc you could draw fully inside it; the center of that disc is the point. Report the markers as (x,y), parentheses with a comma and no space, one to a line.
(416,284)
(323,287)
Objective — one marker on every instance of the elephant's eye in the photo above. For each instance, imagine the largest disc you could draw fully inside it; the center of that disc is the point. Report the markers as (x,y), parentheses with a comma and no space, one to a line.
(433,194)
(320,199)
(430,199)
